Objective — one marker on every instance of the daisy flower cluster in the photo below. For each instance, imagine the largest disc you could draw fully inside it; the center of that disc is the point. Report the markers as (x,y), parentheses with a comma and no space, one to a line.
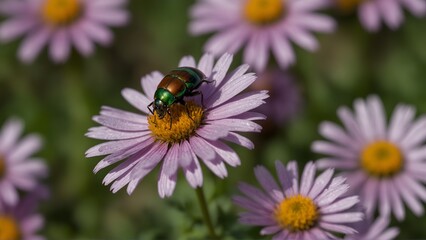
(20,171)
(375,165)
(192,118)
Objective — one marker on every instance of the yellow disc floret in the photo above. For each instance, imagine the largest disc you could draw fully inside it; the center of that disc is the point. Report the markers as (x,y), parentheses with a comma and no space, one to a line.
(60,12)
(296,213)
(263,11)
(348,5)
(184,122)
(2,166)
(9,229)
(381,159)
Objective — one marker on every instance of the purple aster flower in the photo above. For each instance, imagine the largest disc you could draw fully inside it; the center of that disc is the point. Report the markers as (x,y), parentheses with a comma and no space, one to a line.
(60,24)
(374,230)
(264,25)
(284,101)
(197,132)
(372,12)
(18,170)
(21,221)
(385,164)
(313,208)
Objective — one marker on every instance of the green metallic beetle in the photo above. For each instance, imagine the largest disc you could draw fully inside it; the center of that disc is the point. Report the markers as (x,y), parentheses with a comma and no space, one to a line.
(176,85)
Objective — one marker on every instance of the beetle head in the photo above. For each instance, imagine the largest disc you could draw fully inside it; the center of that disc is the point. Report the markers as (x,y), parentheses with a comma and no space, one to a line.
(160,108)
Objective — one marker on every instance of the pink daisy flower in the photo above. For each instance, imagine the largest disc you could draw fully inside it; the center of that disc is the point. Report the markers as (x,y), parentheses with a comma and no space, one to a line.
(21,221)
(374,230)
(264,25)
(197,132)
(385,164)
(373,12)
(60,24)
(314,208)
(18,170)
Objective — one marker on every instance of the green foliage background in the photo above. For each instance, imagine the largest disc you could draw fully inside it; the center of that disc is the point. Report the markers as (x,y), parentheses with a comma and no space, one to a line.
(58,102)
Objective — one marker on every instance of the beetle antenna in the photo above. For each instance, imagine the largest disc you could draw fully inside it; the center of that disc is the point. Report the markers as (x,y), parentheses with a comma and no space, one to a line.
(149,108)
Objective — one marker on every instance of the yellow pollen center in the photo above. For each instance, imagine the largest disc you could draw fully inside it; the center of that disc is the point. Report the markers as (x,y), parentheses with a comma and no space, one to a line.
(184,123)
(9,229)
(348,5)
(60,12)
(381,159)
(2,166)
(263,11)
(296,213)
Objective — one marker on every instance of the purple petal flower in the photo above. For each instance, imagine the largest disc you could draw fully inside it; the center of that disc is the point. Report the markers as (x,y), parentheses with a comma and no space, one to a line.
(371,13)
(143,141)
(314,208)
(260,26)
(385,163)
(21,221)
(377,229)
(18,170)
(60,25)
(285,100)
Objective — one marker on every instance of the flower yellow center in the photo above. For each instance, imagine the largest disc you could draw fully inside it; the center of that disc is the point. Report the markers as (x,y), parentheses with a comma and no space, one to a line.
(184,122)
(348,5)
(263,11)
(9,229)
(60,12)
(2,166)
(381,159)
(296,213)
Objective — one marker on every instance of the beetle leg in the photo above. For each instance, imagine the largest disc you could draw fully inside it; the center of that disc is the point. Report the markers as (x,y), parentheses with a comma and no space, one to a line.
(207,81)
(186,107)
(170,114)
(187,112)
(198,93)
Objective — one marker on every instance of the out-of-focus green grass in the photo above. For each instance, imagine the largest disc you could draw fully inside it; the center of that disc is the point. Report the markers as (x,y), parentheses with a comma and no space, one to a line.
(58,102)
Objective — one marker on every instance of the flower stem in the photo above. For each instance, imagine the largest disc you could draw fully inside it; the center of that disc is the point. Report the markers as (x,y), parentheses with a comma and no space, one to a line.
(205,212)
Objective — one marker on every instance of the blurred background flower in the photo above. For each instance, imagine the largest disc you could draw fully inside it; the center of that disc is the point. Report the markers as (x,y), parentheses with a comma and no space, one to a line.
(374,229)
(285,100)
(262,26)
(373,12)
(60,24)
(18,169)
(23,221)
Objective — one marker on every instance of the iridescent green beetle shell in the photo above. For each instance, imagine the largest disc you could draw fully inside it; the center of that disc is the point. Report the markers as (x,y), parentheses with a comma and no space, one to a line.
(177,84)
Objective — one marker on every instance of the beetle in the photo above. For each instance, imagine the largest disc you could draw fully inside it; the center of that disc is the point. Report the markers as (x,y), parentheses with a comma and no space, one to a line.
(177,84)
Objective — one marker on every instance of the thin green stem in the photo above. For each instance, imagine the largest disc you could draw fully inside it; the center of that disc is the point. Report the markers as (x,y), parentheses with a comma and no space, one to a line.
(205,212)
